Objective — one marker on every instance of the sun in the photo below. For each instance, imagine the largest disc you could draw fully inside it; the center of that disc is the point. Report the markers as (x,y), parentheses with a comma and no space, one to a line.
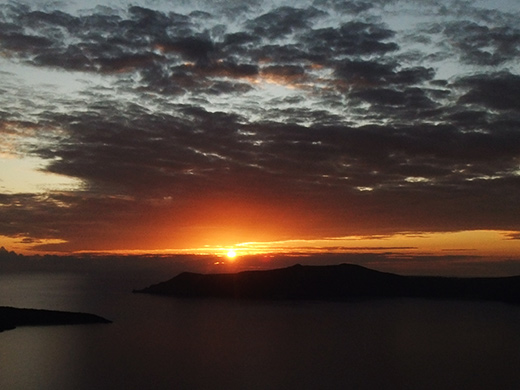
(231,254)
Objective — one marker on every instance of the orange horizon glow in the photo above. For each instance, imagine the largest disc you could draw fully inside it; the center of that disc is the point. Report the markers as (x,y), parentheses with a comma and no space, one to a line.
(473,242)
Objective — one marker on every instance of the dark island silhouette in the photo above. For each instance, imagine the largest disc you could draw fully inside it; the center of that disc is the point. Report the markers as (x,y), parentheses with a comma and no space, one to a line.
(11,317)
(344,282)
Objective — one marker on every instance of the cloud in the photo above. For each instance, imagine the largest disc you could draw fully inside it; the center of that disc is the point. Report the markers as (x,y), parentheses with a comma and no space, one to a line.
(484,45)
(197,49)
(351,38)
(410,98)
(377,73)
(283,21)
(496,91)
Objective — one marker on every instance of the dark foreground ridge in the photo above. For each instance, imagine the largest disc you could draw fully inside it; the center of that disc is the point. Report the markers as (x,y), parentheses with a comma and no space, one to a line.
(11,317)
(342,282)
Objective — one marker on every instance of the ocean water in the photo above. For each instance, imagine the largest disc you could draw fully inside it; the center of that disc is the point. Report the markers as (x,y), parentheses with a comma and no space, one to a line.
(167,343)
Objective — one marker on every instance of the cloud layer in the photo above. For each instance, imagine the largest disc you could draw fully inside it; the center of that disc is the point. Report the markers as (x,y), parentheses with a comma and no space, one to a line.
(238,120)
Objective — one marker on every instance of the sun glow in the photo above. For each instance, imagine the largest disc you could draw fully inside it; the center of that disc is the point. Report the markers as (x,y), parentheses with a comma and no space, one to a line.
(231,254)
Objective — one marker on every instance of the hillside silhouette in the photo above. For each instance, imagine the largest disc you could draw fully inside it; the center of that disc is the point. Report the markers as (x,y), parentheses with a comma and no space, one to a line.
(342,282)
(11,317)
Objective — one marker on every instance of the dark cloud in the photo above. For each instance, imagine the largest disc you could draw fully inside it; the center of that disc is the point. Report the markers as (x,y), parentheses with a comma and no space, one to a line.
(39,19)
(410,98)
(71,58)
(377,73)
(483,45)
(18,42)
(499,91)
(283,21)
(352,38)
(351,7)
(241,38)
(104,42)
(197,49)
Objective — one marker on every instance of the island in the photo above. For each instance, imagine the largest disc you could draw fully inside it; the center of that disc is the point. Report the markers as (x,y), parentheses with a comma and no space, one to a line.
(11,317)
(343,282)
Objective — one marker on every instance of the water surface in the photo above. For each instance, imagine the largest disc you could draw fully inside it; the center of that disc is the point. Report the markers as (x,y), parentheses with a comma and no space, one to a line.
(166,343)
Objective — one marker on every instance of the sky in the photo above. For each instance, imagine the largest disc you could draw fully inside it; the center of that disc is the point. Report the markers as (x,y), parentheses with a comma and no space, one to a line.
(196,126)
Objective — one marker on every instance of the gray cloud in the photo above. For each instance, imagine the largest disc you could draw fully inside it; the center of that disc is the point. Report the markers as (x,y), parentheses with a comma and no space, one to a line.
(496,91)
(283,21)
(483,45)
(351,38)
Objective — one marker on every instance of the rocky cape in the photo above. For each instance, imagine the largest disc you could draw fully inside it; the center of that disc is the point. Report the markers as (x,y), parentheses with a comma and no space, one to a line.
(344,282)
(11,317)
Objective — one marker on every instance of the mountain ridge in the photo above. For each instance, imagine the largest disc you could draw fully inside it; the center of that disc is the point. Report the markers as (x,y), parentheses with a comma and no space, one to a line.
(341,282)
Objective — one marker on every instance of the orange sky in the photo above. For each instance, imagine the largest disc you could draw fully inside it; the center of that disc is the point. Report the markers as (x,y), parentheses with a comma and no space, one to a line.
(487,243)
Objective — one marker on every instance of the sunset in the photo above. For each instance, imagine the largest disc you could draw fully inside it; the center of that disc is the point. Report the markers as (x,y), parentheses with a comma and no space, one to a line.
(172,127)
(147,138)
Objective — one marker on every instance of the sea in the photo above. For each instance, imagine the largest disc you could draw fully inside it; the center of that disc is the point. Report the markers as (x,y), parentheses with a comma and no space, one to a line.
(169,343)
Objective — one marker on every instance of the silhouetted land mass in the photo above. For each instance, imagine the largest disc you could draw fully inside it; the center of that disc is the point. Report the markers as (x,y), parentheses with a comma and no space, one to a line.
(11,317)
(344,282)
